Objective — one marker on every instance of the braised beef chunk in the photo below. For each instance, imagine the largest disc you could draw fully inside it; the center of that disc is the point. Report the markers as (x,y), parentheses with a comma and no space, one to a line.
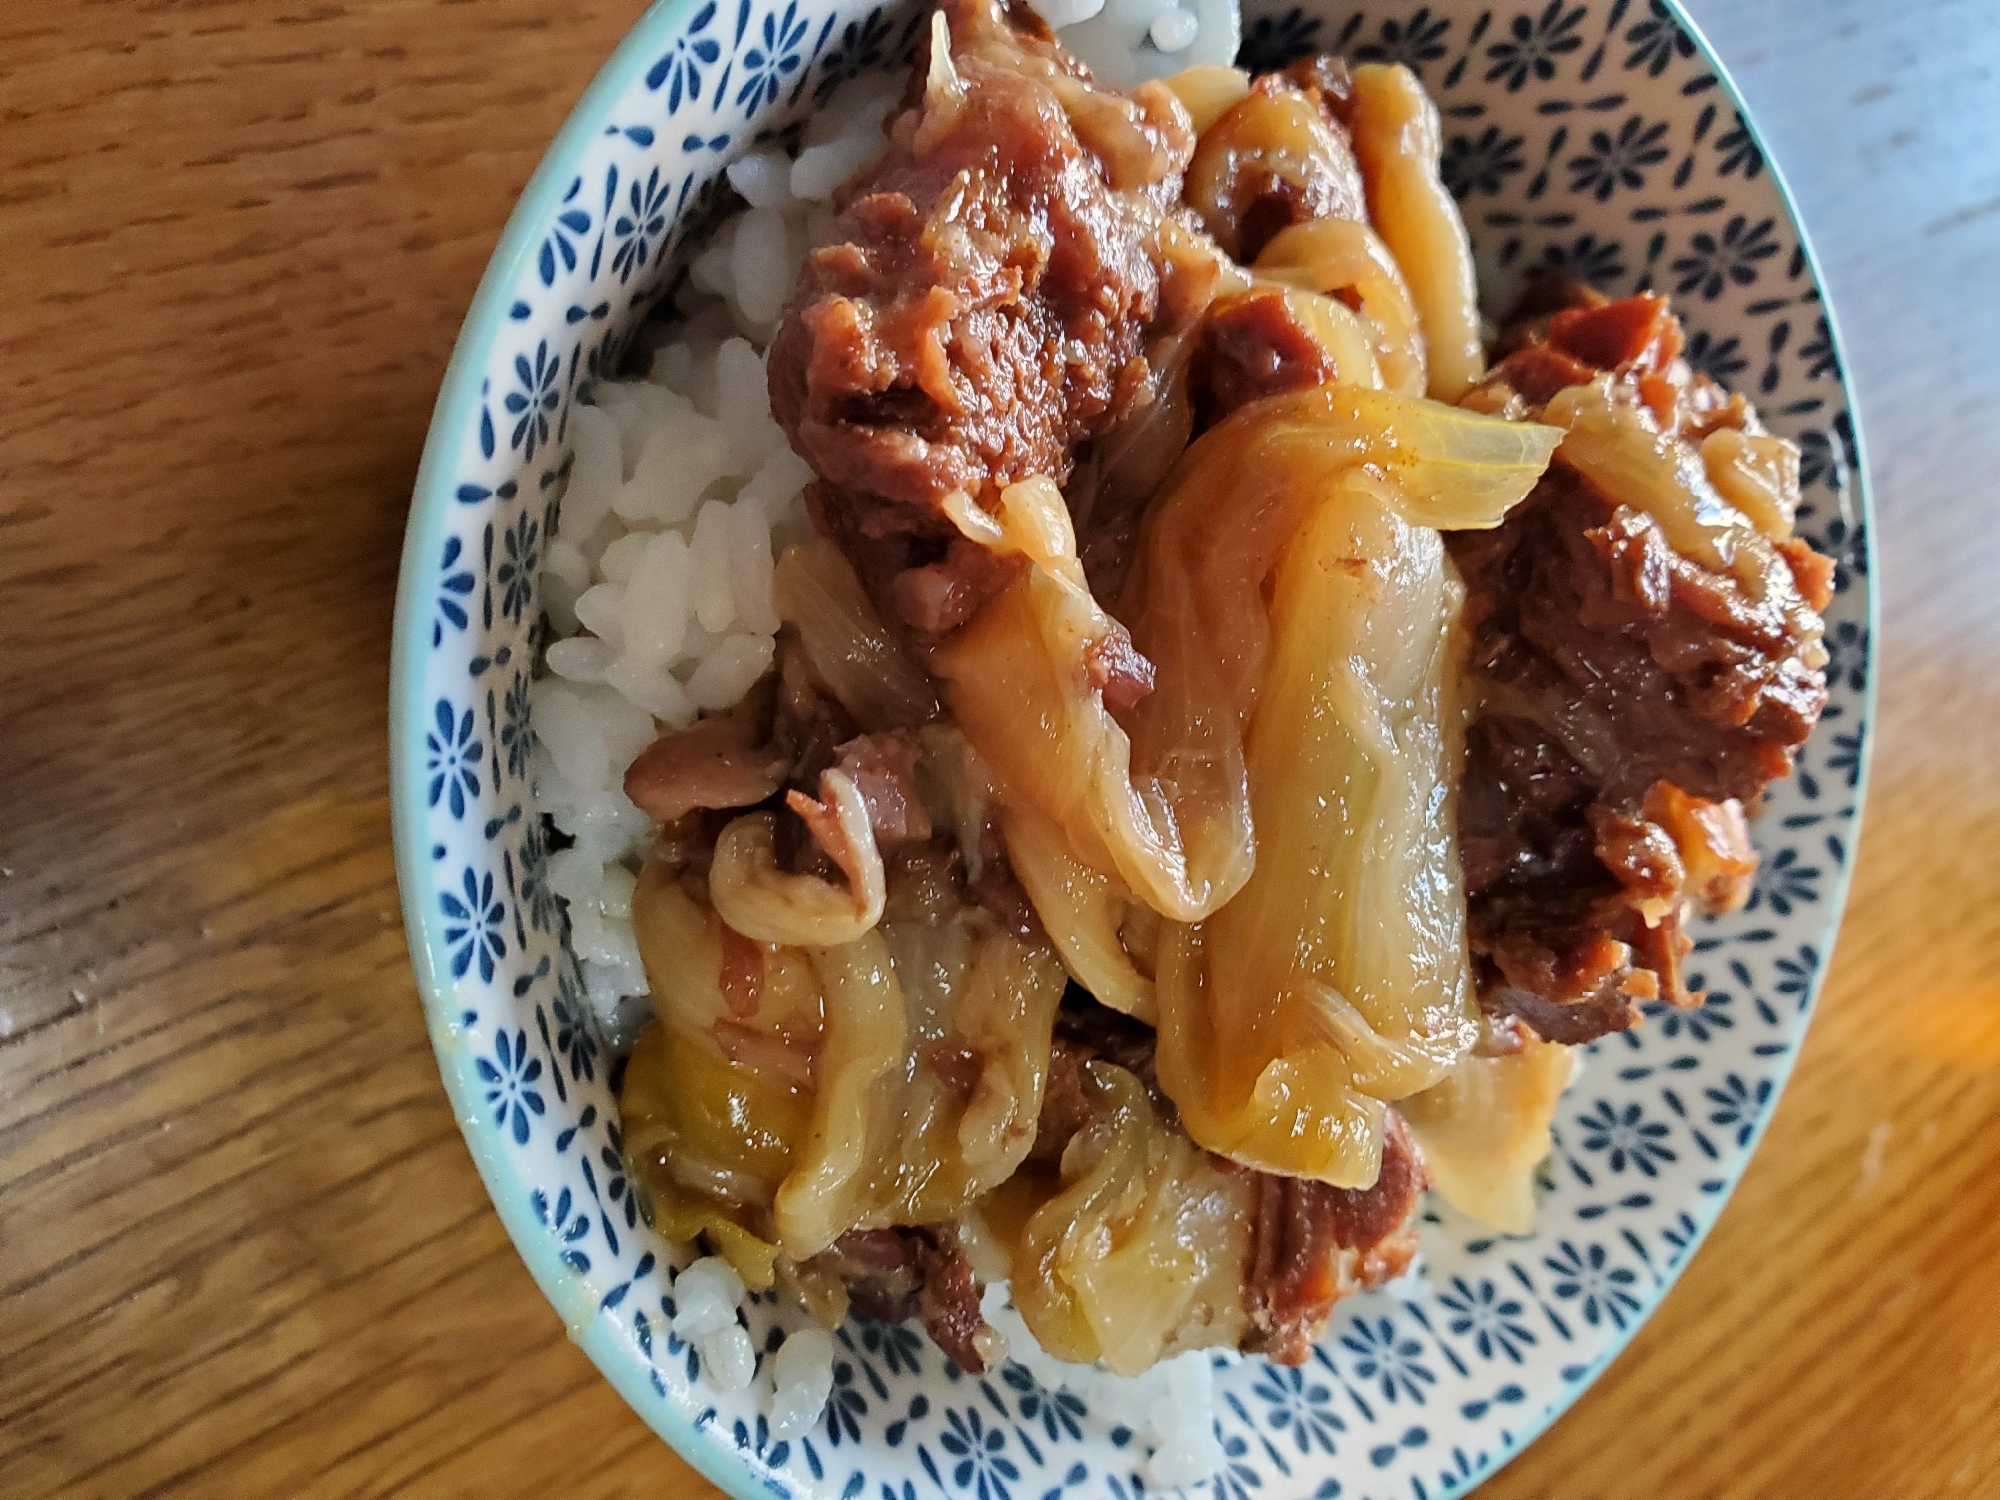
(893,1275)
(981,303)
(1630,701)
(1252,346)
(726,760)
(1314,1244)
(1613,688)
(883,768)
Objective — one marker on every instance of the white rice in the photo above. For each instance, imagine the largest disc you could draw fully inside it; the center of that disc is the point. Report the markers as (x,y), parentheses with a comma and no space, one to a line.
(681,492)
(1170,1409)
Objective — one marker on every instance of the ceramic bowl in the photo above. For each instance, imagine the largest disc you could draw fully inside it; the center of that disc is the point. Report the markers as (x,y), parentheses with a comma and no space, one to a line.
(1598,136)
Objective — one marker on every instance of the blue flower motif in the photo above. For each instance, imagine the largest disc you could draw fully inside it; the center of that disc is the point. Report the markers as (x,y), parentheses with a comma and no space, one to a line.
(1795,975)
(517,739)
(900,1349)
(617,1192)
(1411,43)
(1388,1360)
(476,926)
(1587,1274)
(519,566)
(456,584)
(1680,1235)
(1821,461)
(1481,163)
(510,1078)
(572,223)
(1060,1413)
(1535,45)
(1716,358)
(863,45)
(845,1406)
(1601,263)
(576,1040)
(1627,1135)
(983,1465)
(538,901)
(641,224)
(535,400)
(1300,1407)
(772,59)
(680,70)
(1738,148)
(1846,758)
(1278,42)
(452,758)
(1613,162)
(1492,1319)
(1738,1103)
(1657,40)
(1704,1021)
(1818,352)
(1728,259)
(1783,882)
(569,1230)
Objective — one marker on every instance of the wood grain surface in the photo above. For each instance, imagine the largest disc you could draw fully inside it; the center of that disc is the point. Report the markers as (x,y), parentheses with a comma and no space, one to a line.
(242,1248)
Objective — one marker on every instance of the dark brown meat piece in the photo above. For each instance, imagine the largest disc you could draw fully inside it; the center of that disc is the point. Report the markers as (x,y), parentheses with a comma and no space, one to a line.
(893,1275)
(1115,667)
(981,304)
(721,761)
(883,768)
(1252,347)
(1313,1244)
(1631,701)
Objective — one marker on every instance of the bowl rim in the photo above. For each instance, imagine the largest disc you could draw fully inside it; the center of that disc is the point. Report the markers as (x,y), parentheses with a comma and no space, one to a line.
(431,499)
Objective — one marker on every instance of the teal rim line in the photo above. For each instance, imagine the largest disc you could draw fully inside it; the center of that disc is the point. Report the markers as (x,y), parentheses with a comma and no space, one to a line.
(568,1292)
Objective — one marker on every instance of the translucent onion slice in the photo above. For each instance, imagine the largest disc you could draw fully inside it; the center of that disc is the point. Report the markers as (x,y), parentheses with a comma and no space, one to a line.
(816,591)
(769,905)
(1158,796)
(1143,1252)
(1082,910)
(1398,138)
(1485,1128)
(1338,978)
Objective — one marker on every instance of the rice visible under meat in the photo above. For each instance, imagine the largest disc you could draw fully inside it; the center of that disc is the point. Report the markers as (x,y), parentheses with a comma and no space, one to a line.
(657,583)
(681,492)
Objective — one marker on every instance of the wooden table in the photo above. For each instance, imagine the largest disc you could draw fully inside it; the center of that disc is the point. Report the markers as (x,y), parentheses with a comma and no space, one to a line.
(242,1248)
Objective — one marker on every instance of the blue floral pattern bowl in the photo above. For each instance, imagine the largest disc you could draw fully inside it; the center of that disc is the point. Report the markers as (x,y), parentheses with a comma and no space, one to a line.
(1598,136)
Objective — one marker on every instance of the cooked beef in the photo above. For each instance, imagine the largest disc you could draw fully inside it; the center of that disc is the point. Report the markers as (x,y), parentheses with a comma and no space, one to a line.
(721,761)
(1313,1244)
(1114,666)
(883,768)
(1630,702)
(893,1275)
(808,723)
(1251,347)
(981,304)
